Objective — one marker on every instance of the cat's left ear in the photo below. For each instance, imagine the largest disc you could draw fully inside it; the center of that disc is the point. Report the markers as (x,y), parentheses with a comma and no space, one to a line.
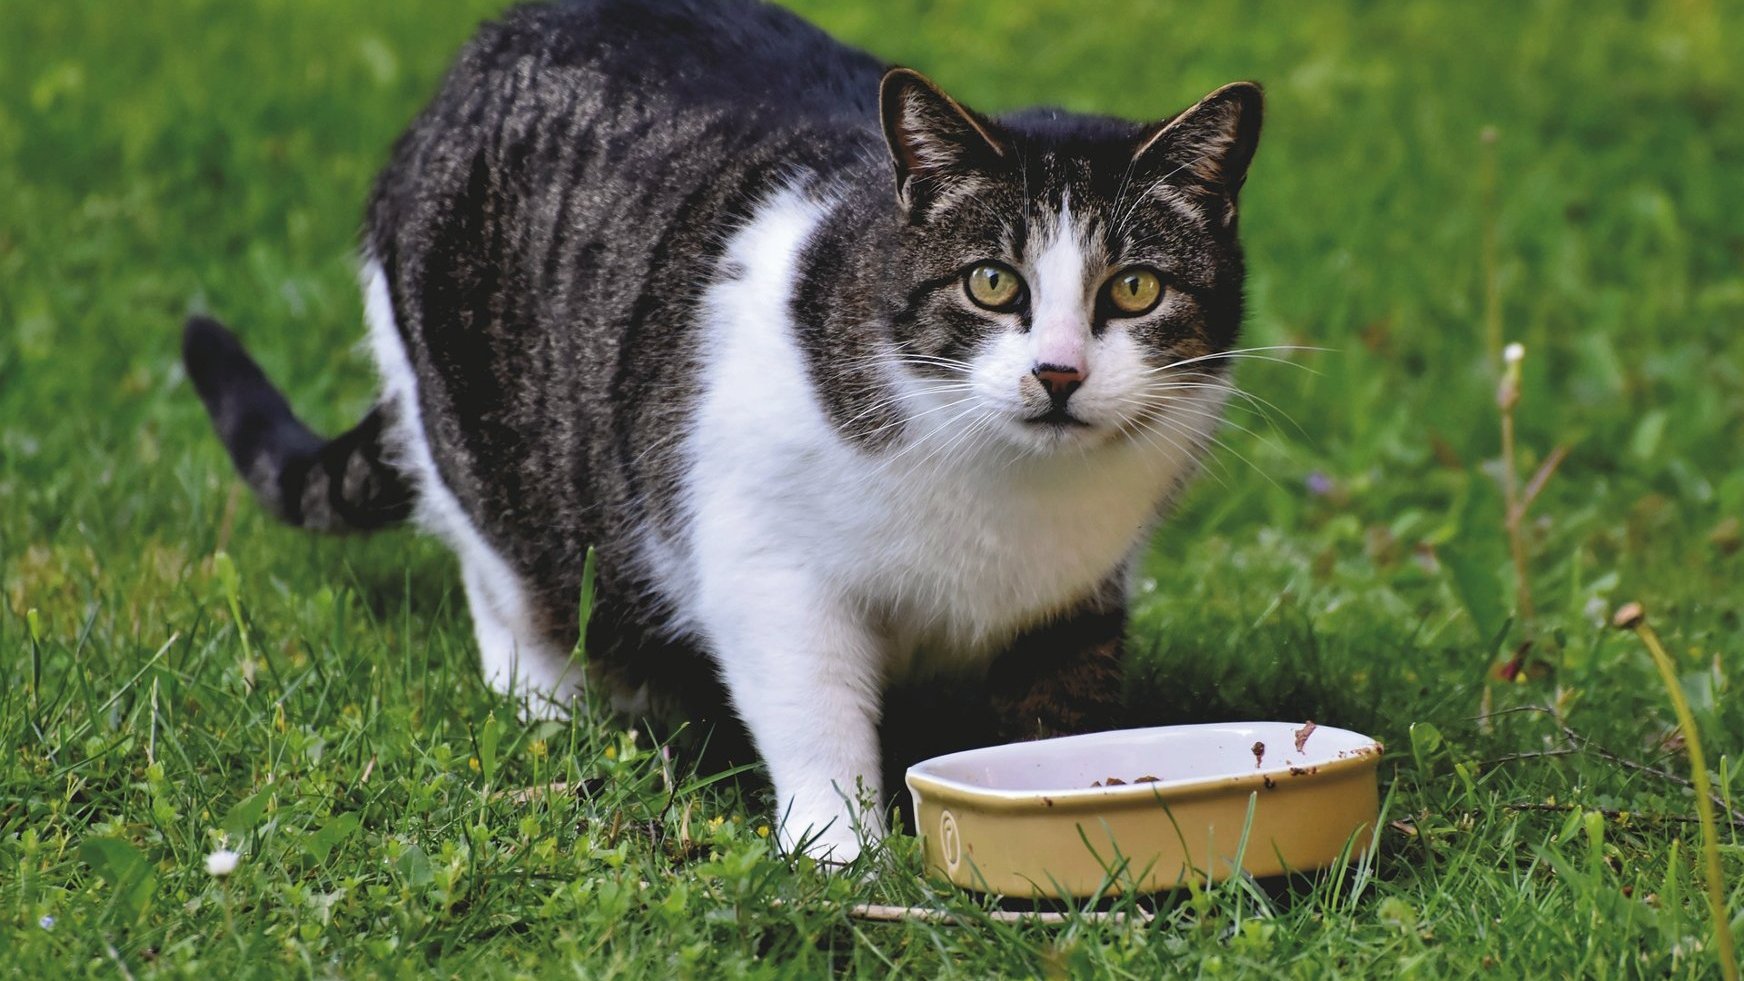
(1209,145)
(934,140)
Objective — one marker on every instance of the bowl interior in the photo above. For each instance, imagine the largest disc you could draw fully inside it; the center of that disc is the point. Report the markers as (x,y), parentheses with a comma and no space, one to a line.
(1173,755)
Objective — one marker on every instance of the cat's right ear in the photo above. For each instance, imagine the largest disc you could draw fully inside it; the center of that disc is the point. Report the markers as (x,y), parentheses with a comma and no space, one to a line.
(934,140)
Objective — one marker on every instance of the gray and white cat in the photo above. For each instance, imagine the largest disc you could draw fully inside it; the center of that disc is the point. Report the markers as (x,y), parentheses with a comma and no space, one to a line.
(850,386)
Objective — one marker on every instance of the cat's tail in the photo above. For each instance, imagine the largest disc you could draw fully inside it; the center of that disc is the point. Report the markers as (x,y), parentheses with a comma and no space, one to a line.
(339,485)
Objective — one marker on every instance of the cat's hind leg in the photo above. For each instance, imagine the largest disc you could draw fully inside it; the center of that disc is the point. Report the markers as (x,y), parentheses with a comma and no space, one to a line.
(518,660)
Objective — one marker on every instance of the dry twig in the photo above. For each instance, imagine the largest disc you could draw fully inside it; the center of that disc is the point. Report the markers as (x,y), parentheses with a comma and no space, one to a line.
(1580,743)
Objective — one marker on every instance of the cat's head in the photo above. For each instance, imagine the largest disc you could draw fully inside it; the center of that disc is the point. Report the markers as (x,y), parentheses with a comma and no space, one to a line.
(1060,273)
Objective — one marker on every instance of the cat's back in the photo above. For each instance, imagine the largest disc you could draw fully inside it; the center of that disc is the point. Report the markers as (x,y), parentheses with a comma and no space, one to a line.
(634,101)
(746,57)
(545,228)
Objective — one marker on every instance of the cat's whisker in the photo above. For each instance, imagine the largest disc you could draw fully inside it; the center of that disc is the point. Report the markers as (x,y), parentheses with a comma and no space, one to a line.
(1221,418)
(955,366)
(900,421)
(1213,439)
(987,436)
(914,393)
(1220,380)
(894,355)
(1217,419)
(1216,383)
(978,423)
(908,361)
(931,433)
(1262,407)
(978,433)
(907,419)
(1151,407)
(1151,435)
(943,438)
(1194,450)
(942,453)
(1251,353)
(1246,356)
(925,385)
(1166,412)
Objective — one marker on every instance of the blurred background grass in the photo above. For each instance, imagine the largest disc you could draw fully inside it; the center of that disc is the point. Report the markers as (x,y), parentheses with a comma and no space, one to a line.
(1347,562)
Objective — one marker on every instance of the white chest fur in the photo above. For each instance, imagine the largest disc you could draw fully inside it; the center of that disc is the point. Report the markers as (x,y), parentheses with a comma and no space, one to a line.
(950,544)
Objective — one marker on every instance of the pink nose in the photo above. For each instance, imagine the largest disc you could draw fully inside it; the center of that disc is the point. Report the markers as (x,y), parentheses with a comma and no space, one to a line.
(1059,380)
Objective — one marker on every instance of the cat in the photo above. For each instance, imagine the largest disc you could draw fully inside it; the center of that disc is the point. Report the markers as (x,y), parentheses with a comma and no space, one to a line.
(849,386)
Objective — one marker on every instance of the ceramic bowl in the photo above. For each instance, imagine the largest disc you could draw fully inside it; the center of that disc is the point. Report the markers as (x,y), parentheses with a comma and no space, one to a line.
(1146,809)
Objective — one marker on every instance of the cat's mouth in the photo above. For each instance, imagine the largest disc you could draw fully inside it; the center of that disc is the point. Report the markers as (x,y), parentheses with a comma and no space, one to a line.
(1056,417)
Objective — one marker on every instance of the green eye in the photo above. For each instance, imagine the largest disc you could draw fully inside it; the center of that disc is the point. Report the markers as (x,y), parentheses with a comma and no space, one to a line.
(993,285)
(1134,290)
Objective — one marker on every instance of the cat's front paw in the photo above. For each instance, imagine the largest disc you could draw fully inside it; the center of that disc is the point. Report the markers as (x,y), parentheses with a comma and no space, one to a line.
(835,836)
(828,846)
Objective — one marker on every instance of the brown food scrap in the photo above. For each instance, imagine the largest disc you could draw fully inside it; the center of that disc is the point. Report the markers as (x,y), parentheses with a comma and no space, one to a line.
(1270,783)
(1117,782)
(1303,733)
(1259,751)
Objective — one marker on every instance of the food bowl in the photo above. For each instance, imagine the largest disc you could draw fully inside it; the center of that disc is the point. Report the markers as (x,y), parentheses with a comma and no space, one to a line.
(1045,819)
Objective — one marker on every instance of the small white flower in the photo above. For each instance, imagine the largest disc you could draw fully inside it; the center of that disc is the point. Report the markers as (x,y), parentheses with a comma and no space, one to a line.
(47,922)
(1514,353)
(221,862)
(1598,611)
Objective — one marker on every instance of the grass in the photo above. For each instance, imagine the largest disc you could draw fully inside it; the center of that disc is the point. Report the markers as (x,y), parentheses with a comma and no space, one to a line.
(1351,565)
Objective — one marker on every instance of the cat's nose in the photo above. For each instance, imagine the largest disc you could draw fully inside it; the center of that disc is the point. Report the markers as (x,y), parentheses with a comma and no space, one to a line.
(1060,381)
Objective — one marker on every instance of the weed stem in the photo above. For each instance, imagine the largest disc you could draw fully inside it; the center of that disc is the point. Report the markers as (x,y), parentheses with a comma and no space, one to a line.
(1631,617)
(1507,399)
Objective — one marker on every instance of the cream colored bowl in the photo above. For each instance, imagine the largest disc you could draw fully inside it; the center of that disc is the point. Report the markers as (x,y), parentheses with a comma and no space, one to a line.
(1041,818)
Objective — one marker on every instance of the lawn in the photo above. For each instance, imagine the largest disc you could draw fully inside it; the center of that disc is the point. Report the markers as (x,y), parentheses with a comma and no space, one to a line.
(1434,181)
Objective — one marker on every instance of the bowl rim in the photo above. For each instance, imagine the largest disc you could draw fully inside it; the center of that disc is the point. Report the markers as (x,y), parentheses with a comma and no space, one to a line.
(1366,756)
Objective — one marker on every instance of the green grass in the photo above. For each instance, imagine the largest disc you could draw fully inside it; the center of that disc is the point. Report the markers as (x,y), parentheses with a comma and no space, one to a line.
(162,157)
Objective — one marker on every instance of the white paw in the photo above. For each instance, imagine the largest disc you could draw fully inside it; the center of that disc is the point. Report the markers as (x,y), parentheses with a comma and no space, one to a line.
(832,835)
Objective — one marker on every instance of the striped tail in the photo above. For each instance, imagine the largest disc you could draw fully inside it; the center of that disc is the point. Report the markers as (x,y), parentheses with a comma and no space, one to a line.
(337,485)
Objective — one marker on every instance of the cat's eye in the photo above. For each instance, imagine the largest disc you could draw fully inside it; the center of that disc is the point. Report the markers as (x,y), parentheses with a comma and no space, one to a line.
(993,285)
(1134,290)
